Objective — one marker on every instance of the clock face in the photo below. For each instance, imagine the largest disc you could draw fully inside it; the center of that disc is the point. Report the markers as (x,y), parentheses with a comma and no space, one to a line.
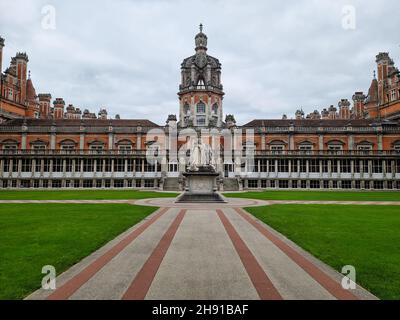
(201,60)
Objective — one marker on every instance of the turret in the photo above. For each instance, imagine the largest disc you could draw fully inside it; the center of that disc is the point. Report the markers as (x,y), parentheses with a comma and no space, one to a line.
(45,105)
(358,105)
(21,60)
(59,104)
(344,109)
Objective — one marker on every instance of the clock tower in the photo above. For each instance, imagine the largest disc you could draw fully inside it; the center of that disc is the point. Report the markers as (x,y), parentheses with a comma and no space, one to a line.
(200,92)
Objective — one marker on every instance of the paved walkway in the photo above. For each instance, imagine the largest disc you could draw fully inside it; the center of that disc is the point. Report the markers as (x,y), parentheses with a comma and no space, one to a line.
(200,253)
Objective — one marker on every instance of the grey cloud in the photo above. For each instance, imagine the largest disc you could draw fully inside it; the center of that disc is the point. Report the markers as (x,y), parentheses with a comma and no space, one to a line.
(277,56)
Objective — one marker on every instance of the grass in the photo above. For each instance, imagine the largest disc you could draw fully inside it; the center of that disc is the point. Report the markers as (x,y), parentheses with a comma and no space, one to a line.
(366,237)
(81,194)
(34,235)
(319,195)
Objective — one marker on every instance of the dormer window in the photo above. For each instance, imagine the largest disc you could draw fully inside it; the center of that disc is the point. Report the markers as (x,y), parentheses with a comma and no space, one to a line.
(335,146)
(306,147)
(96,147)
(10,147)
(364,147)
(38,146)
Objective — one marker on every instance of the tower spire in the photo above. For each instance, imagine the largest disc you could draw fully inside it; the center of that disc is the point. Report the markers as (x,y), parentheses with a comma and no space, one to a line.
(201,27)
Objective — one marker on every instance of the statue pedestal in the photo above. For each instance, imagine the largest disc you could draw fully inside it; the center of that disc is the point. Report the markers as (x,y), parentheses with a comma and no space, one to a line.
(201,187)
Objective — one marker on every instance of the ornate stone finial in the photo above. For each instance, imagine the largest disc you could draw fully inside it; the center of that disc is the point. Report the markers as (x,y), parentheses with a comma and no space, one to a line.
(29,74)
(201,27)
(374,74)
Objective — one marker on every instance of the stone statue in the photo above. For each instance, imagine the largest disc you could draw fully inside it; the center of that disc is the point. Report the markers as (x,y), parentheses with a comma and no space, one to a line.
(200,156)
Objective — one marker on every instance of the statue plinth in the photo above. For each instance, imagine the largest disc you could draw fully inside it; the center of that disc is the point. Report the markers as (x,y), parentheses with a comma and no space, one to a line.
(201,186)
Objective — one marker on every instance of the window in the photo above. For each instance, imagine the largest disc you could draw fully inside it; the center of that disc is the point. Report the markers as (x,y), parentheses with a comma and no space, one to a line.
(201,108)
(346,184)
(88,183)
(125,149)
(263,165)
(38,148)
(334,166)
(314,165)
(56,184)
(396,147)
(107,165)
(57,165)
(294,184)
(10,94)
(88,165)
(303,165)
(96,147)
(98,183)
(10,148)
(118,183)
(119,165)
(252,184)
(325,166)
(378,185)
(272,183)
(345,166)
(46,165)
(335,148)
(283,184)
(277,148)
(68,165)
(357,168)
(364,148)
(326,184)
(149,183)
(305,147)
(138,166)
(365,166)
(201,120)
(173,167)
(78,165)
(130,165)
(377,166)
(148,167)
(314,184)
(294,166)
(263,184)
(283,165)
(271,165)
(68,146)
(26,165)
(38,165)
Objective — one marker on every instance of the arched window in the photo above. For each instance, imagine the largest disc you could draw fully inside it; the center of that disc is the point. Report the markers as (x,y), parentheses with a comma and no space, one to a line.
(215,108)
(201,107)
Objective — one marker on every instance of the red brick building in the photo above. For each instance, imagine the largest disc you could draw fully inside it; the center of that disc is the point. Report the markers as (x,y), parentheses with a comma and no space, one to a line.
(44,143)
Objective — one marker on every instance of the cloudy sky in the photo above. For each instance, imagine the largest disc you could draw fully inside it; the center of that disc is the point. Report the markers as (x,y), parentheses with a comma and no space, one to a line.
(277,56)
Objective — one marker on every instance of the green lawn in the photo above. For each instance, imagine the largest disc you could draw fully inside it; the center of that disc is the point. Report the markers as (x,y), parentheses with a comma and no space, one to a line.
(366,237)
(319,195)
(81,194)
(34,235)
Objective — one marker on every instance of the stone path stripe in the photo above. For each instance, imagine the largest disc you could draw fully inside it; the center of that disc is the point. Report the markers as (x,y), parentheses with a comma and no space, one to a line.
(258,277)
(71,286)
(142,282)
(321,277)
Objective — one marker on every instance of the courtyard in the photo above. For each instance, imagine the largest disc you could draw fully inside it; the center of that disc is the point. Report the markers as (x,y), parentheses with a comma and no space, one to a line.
(119,244)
